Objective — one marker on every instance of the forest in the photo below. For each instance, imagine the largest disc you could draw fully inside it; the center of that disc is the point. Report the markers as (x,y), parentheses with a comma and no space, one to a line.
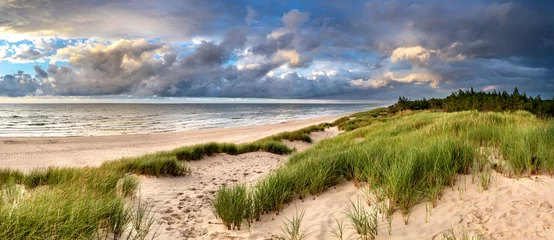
(480,101)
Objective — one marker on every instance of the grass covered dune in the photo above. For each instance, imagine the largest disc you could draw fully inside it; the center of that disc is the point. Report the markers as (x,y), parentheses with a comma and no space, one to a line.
(99,202)
(405,159)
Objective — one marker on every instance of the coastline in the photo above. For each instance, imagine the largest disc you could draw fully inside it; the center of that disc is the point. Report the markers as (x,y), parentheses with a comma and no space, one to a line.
(28,153)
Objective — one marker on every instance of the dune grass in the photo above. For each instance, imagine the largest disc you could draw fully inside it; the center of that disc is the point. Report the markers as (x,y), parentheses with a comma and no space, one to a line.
(361,119)
(271,144)
(67,203)
(80,203)
(292,228)
(197,152)
(411,157)
(364,222)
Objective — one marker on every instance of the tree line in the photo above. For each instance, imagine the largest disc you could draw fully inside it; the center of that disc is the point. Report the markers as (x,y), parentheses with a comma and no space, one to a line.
(480,101)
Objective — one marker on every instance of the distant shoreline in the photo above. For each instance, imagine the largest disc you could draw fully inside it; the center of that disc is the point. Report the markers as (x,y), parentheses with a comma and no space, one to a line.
(27,153)
(75,120)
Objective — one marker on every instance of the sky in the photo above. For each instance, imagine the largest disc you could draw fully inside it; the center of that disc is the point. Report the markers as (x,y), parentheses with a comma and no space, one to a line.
(321,49)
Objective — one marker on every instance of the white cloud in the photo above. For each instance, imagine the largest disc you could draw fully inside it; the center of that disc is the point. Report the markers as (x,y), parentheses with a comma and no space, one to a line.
(292,57)
(417,55)
(372,83)
(22,53)
(3,52)
(420,76)
(489,88)
(416,77)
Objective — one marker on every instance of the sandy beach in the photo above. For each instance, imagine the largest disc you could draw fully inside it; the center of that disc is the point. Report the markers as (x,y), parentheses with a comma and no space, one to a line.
(32,153)
(512,208)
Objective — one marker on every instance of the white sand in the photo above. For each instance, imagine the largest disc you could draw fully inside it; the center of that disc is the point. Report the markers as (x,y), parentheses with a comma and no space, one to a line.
(31,153)
(183,202)
(509,209)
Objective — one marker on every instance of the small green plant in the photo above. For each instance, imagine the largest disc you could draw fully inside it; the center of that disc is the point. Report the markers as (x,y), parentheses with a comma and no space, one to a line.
(362,221)
(485,177)
(292,228)
(143,219)
(338,233)
(451,235)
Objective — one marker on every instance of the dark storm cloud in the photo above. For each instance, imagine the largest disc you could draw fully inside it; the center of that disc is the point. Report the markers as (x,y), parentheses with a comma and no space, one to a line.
(22,84)
(479,29)
(40,72)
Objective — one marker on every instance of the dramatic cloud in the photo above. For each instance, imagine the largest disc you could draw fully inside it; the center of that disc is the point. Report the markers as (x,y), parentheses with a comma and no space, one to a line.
(317,49)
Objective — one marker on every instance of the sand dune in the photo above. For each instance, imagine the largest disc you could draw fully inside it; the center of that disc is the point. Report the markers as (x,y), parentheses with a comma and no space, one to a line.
(510,209)
(183,203)
(31,153)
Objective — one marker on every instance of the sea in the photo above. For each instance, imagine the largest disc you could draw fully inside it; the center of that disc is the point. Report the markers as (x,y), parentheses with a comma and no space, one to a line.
(59,117)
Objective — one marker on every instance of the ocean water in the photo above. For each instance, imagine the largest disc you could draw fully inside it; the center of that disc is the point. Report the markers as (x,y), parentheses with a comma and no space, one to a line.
(63,119)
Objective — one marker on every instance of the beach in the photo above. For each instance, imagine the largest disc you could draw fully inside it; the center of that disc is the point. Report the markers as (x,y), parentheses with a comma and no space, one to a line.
(27,153)
(511,207)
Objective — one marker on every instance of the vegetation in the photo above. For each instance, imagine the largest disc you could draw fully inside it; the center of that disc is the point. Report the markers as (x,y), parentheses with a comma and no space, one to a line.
(292,228)
(232,206)
(480,101)
(339,233)
(464,235)
(270,144)
(70,203)
(197,152)
(157,165)
(361,119)
(410,157)
(364,222)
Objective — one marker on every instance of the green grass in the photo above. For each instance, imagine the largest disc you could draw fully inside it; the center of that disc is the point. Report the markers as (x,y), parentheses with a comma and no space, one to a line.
(270,144)
(150,165)
(411,157)
(361,119)
(363,221)
(197,152)
(292,228)
(232,206)
(65,203)
(79,203)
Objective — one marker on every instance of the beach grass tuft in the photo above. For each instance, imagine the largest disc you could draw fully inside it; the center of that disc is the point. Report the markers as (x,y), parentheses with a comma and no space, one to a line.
(232,206)
(292,228)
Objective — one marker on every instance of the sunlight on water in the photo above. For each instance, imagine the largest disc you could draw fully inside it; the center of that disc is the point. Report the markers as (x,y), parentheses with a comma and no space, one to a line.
(33,120)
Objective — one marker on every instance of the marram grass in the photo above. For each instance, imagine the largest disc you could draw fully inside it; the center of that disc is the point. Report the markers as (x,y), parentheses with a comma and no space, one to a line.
(411,157)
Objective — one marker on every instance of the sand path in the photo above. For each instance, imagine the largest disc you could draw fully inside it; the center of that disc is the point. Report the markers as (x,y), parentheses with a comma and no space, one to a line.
(182,203)
(32,153)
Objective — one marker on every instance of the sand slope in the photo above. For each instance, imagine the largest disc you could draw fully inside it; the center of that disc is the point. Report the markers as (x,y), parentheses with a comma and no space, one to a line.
(182,203)
(510,209)
(31,153)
